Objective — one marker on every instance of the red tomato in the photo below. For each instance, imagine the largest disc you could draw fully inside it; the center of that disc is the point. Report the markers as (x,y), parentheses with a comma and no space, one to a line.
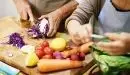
(39,48)
(39,53)
(48,50)
(45,44)
(47,57)
(74,57)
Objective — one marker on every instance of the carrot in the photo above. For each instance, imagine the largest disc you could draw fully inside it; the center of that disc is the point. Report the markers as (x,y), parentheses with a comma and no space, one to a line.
(48,65)
(67,53)
(83,48)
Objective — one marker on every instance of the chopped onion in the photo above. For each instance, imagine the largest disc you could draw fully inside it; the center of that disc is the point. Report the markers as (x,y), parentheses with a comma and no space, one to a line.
(16,40)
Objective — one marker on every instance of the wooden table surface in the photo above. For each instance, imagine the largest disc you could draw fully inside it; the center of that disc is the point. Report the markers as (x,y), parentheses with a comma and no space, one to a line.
(9,25)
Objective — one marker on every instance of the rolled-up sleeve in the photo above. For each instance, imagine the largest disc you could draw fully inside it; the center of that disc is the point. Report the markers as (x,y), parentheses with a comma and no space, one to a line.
(83,12)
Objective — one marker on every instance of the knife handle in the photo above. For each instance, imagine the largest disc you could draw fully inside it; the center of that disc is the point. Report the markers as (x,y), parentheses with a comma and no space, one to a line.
(8,69)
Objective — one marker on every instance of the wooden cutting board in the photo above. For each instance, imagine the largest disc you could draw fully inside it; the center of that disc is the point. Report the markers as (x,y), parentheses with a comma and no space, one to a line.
(10,25)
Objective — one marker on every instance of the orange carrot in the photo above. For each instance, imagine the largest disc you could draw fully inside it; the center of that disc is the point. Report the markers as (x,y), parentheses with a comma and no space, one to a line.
(48,65)
(67,53)
(83,48)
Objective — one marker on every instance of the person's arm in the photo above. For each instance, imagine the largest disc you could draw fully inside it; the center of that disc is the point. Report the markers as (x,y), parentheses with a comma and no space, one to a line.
(56,16)
(80,33)
(24,9)
(67,9)
(84,11)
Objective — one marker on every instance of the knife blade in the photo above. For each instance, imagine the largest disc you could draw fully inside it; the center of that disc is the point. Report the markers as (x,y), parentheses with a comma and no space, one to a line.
(98,37)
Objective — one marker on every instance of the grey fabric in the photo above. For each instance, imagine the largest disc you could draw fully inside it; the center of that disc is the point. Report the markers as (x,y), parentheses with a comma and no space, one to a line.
(85,10)
(111,20)
(41,7)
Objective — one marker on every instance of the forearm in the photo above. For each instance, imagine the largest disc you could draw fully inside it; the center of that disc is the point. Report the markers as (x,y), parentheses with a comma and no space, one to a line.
(15,1)
(67,9)
(83,12)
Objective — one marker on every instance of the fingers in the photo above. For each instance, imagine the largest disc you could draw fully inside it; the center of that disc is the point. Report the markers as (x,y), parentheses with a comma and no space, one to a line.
(89,32)
(43,16)
(76,39)
(113,36)
(80,35)
(55,27)
(122,36)
(110,45)
(30,14)
(51,28)
(85,39)
(53,32)
(27,14)
(117,46)
(113,48)
(89,29)
(24,15)
(105,44)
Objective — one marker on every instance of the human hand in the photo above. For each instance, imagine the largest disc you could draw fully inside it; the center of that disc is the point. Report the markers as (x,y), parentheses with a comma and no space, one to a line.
(80,34)
(24,9)
(119,44)
(54,19)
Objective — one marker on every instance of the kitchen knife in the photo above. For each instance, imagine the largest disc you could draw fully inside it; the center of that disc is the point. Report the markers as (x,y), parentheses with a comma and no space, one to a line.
(96,37)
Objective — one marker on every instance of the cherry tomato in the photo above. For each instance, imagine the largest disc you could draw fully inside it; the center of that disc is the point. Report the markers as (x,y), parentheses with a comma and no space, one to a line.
(45,44)
(48,50)
(39,48)
(40,52)
(47,57)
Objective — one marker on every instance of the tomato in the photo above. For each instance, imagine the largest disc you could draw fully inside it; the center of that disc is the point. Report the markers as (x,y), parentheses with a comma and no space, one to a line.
(48,50)
(47,57)
(45,44)
(39,53)
(74,57)
(39,48)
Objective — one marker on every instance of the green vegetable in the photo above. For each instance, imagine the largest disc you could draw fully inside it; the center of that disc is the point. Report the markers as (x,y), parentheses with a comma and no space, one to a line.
(110,65)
